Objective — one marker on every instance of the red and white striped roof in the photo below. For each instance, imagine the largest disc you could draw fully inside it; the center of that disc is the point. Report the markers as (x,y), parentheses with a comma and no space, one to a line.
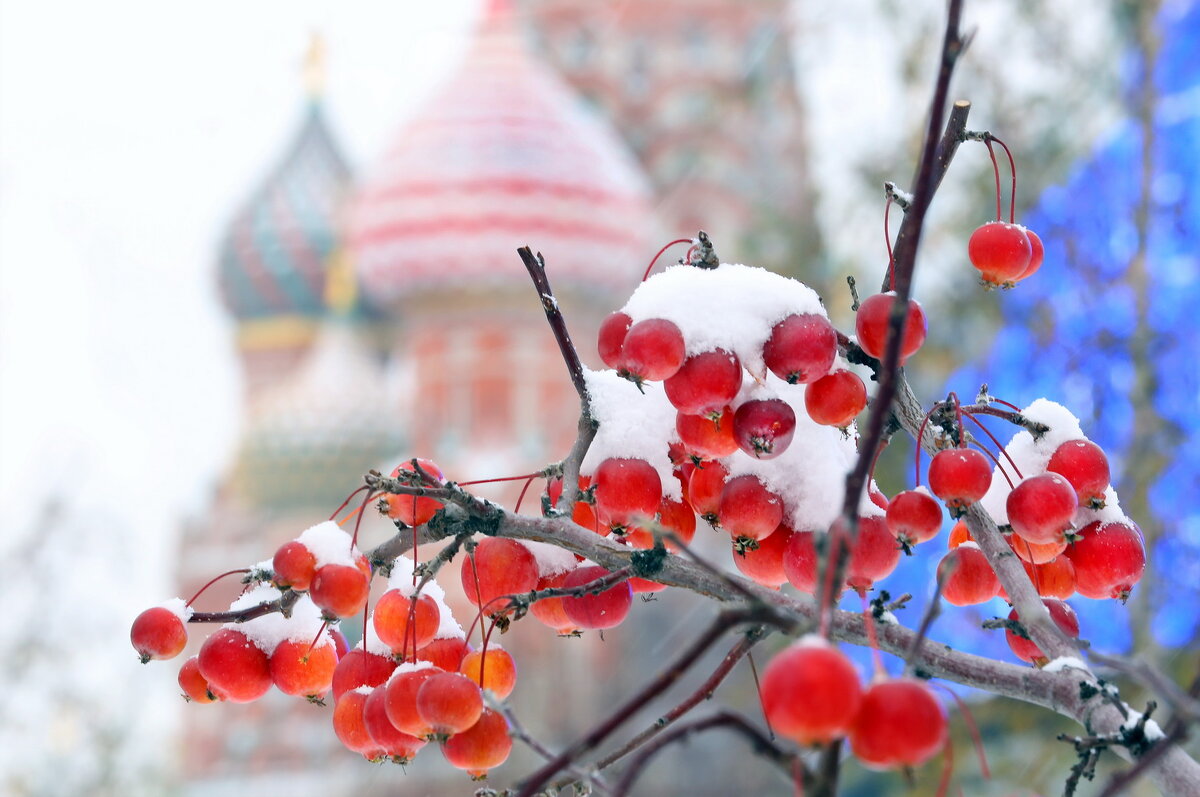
(504,155)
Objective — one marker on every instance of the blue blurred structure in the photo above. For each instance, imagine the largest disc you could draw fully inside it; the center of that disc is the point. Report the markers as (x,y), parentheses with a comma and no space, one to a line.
(1067,335)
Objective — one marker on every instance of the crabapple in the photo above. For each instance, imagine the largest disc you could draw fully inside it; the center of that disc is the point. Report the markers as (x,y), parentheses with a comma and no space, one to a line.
(158,633)
(899,724)
(873,321)
(811,692)
(704,383)
(1109,559)
(764,428)
(1062,615)
(801,349)
(959,477)
(835,399)
(1000,251)
(1041,509)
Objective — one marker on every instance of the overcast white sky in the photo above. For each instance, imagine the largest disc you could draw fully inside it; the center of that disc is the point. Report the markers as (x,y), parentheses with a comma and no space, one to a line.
(129,131)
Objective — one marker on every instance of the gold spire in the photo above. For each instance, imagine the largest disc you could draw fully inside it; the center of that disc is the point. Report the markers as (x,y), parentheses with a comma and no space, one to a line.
(314,66)
(341,290)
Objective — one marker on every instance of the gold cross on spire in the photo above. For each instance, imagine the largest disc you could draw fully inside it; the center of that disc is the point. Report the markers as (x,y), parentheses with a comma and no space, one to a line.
(314,66)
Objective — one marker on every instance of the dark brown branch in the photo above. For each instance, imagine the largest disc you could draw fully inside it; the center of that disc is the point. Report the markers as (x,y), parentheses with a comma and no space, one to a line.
(586,431)
(283,604)
(935,158)
(685,661)
(1017,419)
(705,692)
(724,719)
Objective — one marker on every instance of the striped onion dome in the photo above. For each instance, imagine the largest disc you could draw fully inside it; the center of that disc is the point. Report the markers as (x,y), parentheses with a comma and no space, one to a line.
(503,155)
(274,255)
(310,440)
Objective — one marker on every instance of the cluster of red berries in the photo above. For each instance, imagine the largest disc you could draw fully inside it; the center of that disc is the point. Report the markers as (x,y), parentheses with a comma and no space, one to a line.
(812,695)
(1004,252)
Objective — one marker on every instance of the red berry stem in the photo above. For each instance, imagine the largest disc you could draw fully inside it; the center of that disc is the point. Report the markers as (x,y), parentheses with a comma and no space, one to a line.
(200,591)
(762,707)
(650,267)
(947,767)
(343,505)
(316,639)
(997,443)
(1012,167)
(996,170)
(972,727)
(358,522)
(502,479)
(996,461)
(521,497)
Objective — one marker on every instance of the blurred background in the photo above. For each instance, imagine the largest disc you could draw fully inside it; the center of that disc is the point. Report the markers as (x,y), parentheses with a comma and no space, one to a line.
(248,254)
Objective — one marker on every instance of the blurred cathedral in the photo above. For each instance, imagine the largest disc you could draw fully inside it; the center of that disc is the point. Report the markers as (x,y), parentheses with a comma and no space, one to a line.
(386,314)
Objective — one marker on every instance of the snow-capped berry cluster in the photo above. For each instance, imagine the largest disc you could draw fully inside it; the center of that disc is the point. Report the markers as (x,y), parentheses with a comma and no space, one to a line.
(728,400)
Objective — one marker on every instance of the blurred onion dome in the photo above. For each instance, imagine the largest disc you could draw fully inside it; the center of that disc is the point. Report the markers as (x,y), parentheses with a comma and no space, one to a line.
(504,154)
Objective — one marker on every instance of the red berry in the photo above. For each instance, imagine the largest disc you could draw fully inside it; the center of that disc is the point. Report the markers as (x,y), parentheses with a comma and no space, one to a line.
(627,492)
(811,692)
(872,322)
(404,624)
(397,745)
(449,702)
(705,487)
(236,669)
(1000,251)
(483,746)
(914,516)
(875,553)
(705,383)
(1054,579)
(612,337)
(764,564)
(193,684)
(764,428)
(499,567)
(748,509)
(967,578)
(607,609)
(294,566)
(959,534)
(340,590)
(494,670)
(800,562)
(1109,559)
(959,477)
(360,668)
(400,700)
(1041,508)
(550,611)
(1084,465)
(653,351)
(835,399)
(446,653)
(1038,253)
(158,633)
(297,669)
(801,348)
(900,724)
(876,495)
(1036,552)
(411,509)
(1062,615)
(707,437)
(349,723)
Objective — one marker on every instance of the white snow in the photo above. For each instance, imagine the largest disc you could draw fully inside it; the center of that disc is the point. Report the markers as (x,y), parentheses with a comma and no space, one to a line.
(810,475)
(401,579)
(632,425)
(551,560)
(268,631)
(1064,663)
(179,608)
(329,544)
(1030,455)
(1152,730)
(732,307)
(410,666)
(371,643)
